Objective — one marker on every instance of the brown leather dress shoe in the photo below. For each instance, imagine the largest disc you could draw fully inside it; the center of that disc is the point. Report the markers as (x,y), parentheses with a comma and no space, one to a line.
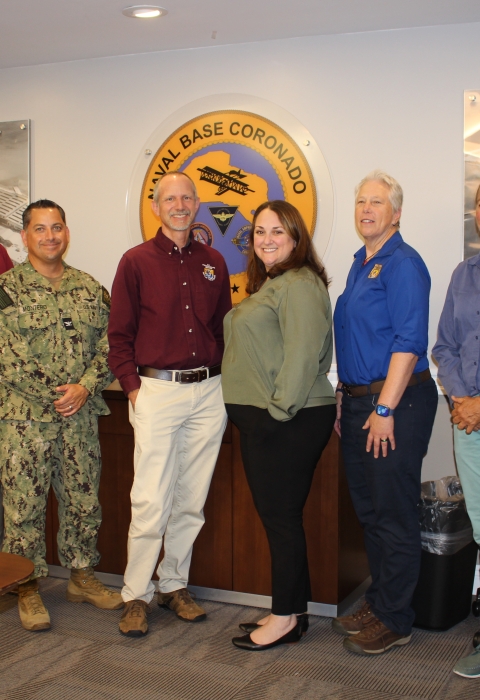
(182,604)
(375,638)
(353,624)
(134,619)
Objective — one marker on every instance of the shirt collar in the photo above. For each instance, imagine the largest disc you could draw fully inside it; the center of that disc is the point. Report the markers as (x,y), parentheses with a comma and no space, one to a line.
(475,260)
(36,277)
(166,244)
(72,278)
(388,248)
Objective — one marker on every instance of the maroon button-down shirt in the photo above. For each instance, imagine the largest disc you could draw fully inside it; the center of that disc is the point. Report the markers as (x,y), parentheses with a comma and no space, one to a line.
(167,309)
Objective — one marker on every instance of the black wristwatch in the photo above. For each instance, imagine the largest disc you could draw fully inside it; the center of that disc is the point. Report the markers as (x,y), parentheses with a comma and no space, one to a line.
(384,411)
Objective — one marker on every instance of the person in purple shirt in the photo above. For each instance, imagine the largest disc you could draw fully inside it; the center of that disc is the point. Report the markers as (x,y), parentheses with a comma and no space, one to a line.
(457,352)
(169,298)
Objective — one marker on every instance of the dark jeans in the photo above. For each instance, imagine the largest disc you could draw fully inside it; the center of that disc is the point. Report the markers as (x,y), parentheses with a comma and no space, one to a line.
(385,493)
(280,460)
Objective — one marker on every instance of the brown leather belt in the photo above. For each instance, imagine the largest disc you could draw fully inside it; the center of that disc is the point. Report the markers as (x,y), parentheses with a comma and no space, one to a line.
(355,391)
(183,376)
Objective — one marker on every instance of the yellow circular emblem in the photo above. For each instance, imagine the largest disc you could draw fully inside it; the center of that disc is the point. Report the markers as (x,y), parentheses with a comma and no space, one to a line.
(238,160)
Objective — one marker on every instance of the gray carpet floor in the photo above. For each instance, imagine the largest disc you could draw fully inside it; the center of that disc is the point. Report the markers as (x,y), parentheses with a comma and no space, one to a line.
(84,657)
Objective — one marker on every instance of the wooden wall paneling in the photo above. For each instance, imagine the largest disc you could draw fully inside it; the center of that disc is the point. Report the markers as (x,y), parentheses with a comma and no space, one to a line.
(231,551)
(353,566)
(117,445)
(251,555)
(212,560)
(321,526)
(337,559)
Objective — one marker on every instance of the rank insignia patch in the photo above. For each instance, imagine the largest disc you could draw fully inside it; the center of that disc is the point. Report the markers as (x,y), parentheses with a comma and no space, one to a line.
(68,323)
(375,271)
(5,300)
(209,272)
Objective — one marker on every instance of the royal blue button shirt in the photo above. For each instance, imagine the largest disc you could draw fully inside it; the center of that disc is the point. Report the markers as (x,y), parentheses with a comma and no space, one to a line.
(384,309)
(457,349)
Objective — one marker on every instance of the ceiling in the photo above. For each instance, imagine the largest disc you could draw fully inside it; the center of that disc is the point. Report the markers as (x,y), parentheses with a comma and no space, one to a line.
(33,32)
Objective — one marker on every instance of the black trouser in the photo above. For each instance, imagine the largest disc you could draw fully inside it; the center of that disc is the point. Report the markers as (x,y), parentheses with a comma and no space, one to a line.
(385,493)
(280,460)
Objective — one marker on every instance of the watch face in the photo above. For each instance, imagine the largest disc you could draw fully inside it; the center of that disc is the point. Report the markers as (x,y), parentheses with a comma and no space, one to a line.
(383,410)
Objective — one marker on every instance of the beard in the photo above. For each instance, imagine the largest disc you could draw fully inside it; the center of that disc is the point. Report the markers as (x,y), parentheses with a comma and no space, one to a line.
(178,226)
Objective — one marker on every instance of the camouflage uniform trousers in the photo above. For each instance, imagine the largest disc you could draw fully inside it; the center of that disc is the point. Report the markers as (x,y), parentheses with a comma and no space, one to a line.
(66,455)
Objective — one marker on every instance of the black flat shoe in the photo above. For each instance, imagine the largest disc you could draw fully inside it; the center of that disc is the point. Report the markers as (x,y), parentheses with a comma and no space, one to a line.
(302,622)
(246,642)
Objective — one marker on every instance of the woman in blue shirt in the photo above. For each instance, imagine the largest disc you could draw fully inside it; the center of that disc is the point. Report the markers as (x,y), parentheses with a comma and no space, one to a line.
(386,405)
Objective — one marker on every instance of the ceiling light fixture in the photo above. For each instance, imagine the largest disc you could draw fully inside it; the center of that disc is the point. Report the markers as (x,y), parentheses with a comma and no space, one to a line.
(144,11)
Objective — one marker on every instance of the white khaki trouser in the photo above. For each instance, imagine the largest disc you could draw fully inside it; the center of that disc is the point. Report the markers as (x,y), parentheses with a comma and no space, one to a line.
(178,432)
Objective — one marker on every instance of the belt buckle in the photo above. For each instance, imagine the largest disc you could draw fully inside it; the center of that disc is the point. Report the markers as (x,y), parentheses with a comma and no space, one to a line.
(346,388)
(192,375)
(186,376)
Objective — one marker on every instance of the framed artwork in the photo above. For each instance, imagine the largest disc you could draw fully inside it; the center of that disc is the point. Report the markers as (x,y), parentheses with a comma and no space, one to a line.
(14,184)
(471,150)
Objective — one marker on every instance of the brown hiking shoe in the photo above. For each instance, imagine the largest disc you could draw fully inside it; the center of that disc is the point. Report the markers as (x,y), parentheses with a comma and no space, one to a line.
(134,619)
(353,624)
(83,587)
(182,604)
(33,614)
(375,638)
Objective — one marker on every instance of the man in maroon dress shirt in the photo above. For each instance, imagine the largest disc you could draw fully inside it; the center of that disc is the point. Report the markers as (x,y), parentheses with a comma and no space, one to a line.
(169,298)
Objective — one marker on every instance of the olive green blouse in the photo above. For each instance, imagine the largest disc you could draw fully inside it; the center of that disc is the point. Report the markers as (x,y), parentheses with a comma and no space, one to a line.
(278,346)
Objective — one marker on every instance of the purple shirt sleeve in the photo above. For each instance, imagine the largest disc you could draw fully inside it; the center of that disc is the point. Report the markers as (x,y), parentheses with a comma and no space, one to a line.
(123,327)
(5,262)
(457,349)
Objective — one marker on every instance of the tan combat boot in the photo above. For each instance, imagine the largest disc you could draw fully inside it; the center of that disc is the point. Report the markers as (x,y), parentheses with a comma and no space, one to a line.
(83,587)
(33,614)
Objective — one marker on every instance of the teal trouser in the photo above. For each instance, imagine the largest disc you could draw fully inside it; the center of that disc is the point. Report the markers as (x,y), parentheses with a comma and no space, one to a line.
(467,455)
(66,455)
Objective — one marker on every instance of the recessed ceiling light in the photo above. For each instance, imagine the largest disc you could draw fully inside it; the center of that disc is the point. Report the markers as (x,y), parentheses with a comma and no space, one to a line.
(144,11)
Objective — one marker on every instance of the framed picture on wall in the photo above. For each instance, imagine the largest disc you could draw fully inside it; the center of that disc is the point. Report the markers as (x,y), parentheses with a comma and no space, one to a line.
(14,184)
(471,150)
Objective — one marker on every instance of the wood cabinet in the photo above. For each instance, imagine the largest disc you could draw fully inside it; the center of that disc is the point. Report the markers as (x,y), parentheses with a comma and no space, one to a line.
(231,552)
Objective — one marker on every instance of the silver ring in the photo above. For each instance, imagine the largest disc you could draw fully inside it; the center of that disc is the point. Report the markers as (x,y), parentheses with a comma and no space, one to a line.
(70,407)
(381,439)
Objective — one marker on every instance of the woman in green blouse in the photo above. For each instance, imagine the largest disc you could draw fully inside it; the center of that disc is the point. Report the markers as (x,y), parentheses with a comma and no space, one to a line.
(278,349)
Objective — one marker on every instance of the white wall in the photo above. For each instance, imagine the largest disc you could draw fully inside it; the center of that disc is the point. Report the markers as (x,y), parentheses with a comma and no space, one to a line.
(381,99)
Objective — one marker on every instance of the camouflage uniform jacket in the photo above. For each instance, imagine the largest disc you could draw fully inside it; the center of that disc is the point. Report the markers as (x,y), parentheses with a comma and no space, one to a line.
(50,338)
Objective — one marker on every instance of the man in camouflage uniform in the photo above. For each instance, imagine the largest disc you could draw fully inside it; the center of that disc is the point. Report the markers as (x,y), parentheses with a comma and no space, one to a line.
(53,366)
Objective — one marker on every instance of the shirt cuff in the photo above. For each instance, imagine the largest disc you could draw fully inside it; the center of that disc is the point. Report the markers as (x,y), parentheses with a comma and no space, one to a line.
(130,383)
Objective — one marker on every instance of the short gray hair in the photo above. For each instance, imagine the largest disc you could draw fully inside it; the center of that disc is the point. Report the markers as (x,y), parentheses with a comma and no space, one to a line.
(173,172)
(395,194)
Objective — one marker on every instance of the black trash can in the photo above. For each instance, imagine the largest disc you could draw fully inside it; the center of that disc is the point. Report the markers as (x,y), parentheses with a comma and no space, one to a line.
(443,596)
